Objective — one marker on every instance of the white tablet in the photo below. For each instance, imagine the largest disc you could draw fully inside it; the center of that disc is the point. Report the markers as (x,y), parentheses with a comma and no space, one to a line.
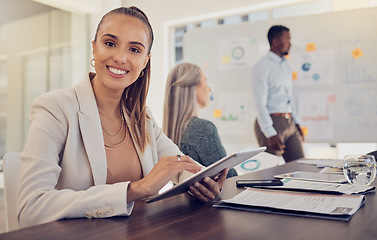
(211,171)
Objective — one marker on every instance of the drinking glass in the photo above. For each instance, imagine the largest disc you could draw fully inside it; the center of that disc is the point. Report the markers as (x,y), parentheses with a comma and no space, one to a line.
(359,169)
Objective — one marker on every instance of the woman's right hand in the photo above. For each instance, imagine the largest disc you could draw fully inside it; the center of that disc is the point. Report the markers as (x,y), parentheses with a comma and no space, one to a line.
(165,170)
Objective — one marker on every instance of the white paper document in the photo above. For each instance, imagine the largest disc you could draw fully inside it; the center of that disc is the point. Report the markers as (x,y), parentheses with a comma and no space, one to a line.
(322,187)
(332,206)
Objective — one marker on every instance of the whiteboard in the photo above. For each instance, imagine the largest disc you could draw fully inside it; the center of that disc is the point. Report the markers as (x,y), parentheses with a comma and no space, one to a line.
(334,62)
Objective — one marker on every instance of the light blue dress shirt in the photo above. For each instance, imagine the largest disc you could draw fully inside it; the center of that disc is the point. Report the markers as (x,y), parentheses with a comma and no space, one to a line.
(272,90)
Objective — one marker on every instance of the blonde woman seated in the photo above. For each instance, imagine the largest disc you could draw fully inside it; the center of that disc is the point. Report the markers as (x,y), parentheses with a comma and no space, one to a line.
(186,92)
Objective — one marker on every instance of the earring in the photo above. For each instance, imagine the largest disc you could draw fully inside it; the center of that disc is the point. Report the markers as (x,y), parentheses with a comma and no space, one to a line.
(141,74)
(92,62)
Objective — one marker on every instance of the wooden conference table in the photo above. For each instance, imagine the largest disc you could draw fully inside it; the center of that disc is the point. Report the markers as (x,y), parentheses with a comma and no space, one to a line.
(182,217)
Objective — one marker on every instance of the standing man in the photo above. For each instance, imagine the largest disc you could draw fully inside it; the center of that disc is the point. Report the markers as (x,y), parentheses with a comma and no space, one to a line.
(276,125)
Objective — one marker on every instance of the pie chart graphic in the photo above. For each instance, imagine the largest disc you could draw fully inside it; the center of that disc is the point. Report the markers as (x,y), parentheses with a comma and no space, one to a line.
(238,52)
(305,67)
(315,77)
(251,165)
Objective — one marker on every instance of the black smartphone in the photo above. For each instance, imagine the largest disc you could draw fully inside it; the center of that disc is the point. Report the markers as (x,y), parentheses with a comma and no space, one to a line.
(254,183)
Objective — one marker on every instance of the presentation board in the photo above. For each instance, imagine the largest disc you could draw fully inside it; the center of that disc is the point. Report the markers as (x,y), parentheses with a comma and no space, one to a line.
(334,62)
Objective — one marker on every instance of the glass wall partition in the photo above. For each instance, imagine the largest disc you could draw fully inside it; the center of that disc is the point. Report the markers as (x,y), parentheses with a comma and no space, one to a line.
(46,49)
(3,105)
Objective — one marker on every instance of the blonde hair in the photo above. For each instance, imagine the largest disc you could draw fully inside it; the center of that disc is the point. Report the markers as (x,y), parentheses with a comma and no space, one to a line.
(180,99)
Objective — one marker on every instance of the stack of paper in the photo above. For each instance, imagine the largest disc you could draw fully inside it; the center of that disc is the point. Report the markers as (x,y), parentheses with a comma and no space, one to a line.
(336,207)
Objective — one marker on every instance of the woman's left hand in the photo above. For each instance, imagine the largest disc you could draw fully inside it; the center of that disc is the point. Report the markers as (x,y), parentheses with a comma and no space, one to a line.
(210,188)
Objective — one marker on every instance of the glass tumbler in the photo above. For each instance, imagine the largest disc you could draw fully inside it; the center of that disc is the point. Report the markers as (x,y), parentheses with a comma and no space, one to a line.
(359,169)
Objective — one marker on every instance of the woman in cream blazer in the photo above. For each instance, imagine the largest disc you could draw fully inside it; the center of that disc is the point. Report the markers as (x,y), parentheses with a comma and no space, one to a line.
(64,165)
(64,161)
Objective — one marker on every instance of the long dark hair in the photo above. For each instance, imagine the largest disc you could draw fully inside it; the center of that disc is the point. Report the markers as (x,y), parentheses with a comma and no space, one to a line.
(134,96)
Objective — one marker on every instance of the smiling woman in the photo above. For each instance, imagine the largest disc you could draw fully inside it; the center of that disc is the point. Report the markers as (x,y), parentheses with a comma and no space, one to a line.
(120,56)
(93,149)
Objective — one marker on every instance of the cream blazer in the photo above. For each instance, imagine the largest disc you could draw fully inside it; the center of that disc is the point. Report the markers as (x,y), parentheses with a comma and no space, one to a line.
(63,172)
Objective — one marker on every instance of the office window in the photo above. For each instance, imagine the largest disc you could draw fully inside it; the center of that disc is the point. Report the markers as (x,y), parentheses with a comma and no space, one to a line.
(232,20)
(35,82)
(191,26)
(50,66)
(208,23)
(258,16)
(42,48)
(178,36)
(3,106)
(60,68)
(244,18)
(53,58)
